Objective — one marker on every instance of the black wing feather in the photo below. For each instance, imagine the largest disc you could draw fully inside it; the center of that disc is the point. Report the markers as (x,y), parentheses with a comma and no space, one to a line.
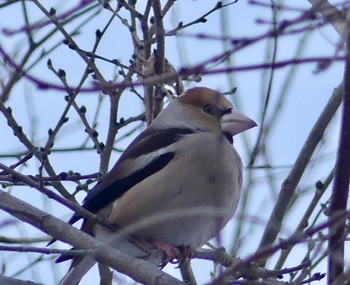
(148,141)
(119,187)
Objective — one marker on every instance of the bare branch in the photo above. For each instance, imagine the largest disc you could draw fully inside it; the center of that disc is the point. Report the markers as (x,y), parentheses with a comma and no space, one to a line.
(340,191)
(139,270)
(13,281)
(333,16)
(290,183)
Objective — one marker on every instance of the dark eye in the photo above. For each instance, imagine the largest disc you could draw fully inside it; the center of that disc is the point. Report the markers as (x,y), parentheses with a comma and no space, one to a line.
(227,111)
(208,109)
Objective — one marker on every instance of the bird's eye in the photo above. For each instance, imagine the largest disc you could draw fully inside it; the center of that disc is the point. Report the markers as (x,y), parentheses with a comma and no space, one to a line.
(208,109)
(228,111)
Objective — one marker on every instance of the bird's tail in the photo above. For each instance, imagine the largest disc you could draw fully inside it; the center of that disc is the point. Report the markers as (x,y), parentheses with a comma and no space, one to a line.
(76,272)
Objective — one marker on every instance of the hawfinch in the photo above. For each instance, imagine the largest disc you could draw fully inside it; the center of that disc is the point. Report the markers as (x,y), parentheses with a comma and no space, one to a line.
(179,181)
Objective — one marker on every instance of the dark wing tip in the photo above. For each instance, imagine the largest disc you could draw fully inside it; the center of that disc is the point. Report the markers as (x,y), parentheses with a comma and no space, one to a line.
(71,221)
(65,257)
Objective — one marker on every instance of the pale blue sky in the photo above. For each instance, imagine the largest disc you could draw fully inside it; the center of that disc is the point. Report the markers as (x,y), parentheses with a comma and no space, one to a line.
(309,92)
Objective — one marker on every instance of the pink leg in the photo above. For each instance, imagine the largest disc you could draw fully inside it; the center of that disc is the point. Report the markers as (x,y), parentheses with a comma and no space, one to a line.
(173,254)
(170,251)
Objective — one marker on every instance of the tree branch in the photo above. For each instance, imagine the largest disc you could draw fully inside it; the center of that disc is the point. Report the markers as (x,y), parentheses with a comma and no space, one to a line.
(12,281)
(332,15)
(289,185)
(139,270)
(340,191)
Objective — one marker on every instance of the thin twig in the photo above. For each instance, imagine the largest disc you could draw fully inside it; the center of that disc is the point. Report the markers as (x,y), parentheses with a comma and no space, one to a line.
(320,189)
(290,183)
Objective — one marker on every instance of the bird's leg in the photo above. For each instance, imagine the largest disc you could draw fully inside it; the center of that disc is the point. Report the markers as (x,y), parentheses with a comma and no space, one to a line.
(173,254)
(170,251)
(185,254)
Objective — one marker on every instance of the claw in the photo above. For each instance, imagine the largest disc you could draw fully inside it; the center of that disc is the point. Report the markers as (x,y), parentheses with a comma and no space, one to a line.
(172,254)
(185,254)
(170,251)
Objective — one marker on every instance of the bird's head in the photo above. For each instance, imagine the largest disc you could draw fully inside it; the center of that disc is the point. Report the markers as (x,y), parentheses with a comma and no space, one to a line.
(204,108)
(215,110)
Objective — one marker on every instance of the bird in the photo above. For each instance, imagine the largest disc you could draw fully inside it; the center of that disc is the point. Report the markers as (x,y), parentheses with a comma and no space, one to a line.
(179,181)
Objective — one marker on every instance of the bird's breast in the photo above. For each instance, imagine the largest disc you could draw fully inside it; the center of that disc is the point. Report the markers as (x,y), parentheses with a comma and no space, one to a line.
(189,200)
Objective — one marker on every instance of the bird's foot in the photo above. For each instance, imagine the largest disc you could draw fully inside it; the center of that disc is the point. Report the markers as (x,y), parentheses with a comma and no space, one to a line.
(173,254)
(185,254)
(170,251)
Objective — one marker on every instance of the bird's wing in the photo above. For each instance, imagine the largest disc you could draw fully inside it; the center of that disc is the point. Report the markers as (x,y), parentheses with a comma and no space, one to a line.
(148,153)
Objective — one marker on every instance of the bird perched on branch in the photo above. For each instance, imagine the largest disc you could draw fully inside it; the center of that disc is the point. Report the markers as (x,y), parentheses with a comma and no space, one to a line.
(176,185)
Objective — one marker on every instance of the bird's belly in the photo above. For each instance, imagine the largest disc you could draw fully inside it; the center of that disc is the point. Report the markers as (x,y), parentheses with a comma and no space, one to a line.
(187,220)
(190,231)
(183,206)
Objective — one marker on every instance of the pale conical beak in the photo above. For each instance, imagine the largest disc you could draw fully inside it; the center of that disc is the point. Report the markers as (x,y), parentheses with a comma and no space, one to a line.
(235,123)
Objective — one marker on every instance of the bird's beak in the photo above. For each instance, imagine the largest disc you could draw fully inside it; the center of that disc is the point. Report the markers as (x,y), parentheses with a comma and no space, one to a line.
(235,123)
